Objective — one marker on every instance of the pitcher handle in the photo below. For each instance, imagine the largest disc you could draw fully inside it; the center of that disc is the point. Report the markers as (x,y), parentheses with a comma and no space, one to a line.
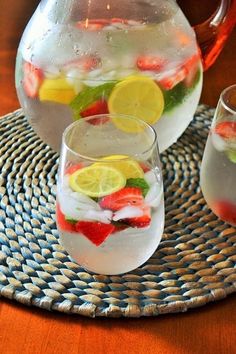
(213,33)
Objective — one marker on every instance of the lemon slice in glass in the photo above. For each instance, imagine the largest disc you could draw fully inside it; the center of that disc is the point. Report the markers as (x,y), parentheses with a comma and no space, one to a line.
(97,180)
(138,96)
(127,166)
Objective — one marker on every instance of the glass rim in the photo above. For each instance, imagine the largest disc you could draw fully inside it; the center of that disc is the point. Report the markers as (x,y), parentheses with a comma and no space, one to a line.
(223,101)
(153,144)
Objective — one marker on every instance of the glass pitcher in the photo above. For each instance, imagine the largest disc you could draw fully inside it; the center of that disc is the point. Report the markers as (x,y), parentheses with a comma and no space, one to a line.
(141,58)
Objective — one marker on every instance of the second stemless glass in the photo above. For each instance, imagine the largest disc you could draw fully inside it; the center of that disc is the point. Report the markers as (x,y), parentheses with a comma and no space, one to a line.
(110,206)
(218,170)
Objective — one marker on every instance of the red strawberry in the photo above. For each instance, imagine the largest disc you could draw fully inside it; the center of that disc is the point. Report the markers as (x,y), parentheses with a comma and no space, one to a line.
(118,20)
(187,72)
(149,62)
(62,222)
(85,63)
(98,107)
(32,80)
(96,232)
(225,210)
(124,197)
(182,38)
(171,81)
(120,227)
(191,63)
(144,167)
(71,169)
(100,21)
(141,221)
(227,130)
(92,25)
(191,68)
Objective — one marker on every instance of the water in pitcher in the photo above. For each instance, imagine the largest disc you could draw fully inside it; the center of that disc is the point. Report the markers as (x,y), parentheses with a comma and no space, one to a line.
(85,67)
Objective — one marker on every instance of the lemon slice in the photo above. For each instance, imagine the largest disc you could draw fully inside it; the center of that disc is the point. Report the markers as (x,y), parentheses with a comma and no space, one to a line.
(138,96)
(129,168)
(57,90)
(97,180)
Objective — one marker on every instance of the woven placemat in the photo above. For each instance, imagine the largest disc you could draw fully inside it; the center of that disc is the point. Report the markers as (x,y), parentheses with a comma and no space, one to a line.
(194,264)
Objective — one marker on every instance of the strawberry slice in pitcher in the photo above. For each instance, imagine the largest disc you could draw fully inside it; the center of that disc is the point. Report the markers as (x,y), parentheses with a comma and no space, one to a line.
(97,107)
(150,62)
(185,72)
(33,77)
(191,66)
(173,79)
(119,20)
(84,63)
(92,24)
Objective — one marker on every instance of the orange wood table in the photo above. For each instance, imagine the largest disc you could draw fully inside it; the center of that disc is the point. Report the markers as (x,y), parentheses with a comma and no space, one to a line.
(209,329)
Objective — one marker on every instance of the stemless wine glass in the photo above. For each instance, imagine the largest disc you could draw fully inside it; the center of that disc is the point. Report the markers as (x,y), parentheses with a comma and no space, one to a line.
(110,206)
(218,170)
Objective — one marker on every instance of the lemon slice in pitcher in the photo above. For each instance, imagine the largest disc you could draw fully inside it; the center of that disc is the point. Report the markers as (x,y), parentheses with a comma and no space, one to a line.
(97,180)
(137,96)
(57,90)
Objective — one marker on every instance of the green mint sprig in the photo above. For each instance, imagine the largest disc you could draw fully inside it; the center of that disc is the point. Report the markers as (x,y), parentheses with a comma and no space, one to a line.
(140,183)
(90,95)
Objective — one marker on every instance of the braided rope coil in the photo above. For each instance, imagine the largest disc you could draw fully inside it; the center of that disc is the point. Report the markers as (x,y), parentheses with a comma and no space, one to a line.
(194,264)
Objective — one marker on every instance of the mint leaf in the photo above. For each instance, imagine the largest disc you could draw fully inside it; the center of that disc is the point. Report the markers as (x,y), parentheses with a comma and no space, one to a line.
(90,95)
(70,220)
(119,224)
(138,182)
(174,97)
(231,155)
(177,95)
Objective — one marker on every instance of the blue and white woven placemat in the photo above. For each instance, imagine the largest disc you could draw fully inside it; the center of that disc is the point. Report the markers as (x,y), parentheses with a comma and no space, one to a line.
(194,264)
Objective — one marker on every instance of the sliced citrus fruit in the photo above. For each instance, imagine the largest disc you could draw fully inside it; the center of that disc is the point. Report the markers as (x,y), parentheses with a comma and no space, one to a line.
(97,180)
(57,90)
(127,166)
(138,96)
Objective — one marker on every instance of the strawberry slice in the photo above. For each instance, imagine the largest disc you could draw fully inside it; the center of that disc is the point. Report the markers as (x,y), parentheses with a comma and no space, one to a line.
(183,38)
(71,169)
(171,81)
(84,63)
(119,20)
(149,62)
(227,130)
(141,221)
(100,21)
(144,167)
(96,232)
(33,77)
(225,210)
(98,107)
(126,196)
(62,222)
(186,72)
(191,68)
(191,63)
(92,25)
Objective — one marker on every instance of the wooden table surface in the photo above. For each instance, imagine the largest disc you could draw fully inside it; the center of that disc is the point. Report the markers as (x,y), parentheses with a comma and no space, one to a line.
(209,329)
